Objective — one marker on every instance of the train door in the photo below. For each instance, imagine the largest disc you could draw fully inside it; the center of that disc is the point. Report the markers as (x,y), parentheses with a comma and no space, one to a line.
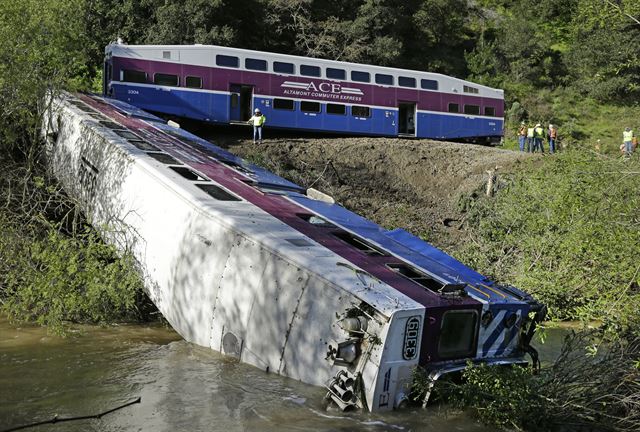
(106,76)
(240,102)
(407,118)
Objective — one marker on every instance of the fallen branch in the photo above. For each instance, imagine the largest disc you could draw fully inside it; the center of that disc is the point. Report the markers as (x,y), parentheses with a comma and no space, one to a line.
(57,419)
(617,6)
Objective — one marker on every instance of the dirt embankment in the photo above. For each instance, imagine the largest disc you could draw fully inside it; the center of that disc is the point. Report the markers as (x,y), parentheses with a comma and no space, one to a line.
(413,184)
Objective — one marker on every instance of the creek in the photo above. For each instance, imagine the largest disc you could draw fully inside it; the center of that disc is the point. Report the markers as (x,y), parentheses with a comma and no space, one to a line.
(182,387)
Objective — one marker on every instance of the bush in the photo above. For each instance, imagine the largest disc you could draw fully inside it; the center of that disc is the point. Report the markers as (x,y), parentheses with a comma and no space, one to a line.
(565,229)
(54,268)
(61,278)
(592,386)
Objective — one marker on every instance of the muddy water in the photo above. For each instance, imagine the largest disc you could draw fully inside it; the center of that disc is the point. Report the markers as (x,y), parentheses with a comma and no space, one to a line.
(183,388)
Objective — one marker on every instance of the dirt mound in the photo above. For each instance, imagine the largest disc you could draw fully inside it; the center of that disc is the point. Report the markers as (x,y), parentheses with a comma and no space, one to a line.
(413,184)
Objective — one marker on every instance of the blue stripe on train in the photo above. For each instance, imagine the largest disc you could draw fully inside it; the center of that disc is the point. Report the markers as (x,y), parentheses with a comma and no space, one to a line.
(446,126)
(408,247)
(215,108)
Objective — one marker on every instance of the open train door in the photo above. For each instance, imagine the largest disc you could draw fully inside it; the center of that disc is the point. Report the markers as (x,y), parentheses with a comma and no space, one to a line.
(407,119)
(240,102)
(106,75)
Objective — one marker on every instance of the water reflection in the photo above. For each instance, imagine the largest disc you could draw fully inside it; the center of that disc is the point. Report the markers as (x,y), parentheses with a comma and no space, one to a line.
(183,388)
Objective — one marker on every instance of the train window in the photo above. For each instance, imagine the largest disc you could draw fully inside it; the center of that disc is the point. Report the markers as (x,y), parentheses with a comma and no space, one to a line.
(255,64)
(143,145)
(287,68)
(193,82)
(384,79)
(469,89)
(165,79)
(217,192)
(406,82)
(336,109)
(490,111)
(428,84)
(283,104)
(315,220)
(134,76)
(472,109)
(126,134)
(309,70)
(454,108)
(299,242)
(82,106)
(458,334)
(313,107)
(228,61)
(336,73)
(164,158)
(187,173)
(360,111)
(416,275)
(360,76)
(110,124)
(359,243)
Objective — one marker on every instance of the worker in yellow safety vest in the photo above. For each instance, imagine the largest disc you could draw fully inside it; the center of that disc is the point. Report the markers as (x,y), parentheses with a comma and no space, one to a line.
(538,138)
(529,140)
(258,120)
(627,139)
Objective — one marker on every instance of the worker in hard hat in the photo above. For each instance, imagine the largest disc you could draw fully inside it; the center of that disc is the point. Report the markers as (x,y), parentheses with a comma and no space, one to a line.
(530,139)
(552,135)
(627,139)
(258,120)
(522,135)
(538,137)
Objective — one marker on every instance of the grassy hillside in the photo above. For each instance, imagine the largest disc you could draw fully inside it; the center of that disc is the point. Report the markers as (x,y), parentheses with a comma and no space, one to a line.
(581,120)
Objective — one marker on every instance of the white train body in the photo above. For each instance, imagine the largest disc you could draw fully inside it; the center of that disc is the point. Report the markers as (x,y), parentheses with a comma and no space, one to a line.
(233,261)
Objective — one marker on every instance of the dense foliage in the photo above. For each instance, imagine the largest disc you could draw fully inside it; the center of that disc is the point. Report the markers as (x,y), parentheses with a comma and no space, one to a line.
(590,387)
(53,269)
(520,45)
(566,229)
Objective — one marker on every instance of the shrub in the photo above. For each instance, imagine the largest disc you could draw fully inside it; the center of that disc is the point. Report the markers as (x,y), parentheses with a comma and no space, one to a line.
(565,229)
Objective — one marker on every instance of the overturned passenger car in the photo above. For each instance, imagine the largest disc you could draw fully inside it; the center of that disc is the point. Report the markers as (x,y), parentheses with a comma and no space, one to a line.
(249,264)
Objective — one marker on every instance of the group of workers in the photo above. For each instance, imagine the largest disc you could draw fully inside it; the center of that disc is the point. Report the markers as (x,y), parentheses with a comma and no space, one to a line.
(531,139)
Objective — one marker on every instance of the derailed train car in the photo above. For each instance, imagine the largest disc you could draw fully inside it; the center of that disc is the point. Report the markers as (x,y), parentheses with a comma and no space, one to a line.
(249,264)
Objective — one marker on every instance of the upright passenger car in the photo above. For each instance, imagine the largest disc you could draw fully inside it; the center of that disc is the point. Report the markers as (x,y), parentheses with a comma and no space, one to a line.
(249,264)
(223,85)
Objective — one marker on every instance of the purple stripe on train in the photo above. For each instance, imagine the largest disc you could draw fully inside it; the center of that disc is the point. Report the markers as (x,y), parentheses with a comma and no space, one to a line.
(219,79)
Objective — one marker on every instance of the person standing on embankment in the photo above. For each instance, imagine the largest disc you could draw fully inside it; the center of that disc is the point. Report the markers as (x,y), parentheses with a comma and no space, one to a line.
(627,139)
(530,140)
(552,135)
(258,120)
(522,135)
(538,138)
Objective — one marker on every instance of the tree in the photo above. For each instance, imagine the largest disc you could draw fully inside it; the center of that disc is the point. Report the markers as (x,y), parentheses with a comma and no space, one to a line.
(604,56)
(43,50)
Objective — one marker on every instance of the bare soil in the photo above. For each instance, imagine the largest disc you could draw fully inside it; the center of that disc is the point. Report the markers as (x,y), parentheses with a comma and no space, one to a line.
(414,184)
